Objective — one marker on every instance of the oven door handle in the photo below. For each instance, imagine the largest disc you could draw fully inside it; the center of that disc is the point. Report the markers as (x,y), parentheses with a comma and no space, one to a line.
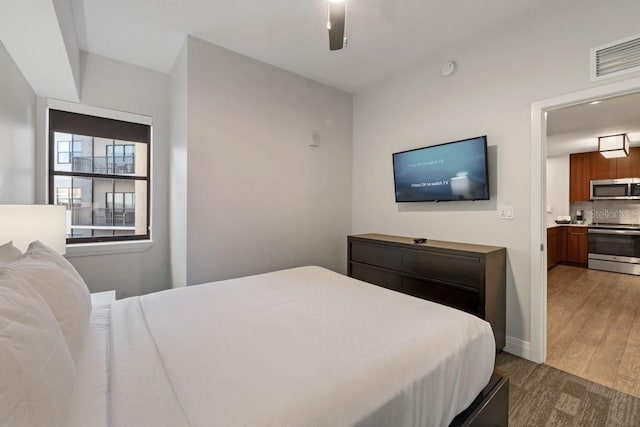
(615,232)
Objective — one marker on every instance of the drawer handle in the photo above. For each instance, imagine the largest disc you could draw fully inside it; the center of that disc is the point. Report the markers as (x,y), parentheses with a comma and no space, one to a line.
(616,232)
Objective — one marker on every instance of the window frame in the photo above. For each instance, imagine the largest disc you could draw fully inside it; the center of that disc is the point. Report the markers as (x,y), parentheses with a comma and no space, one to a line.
(99,121)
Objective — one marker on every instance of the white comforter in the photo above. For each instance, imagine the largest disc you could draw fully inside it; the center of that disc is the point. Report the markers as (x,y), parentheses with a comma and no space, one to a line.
(299,347)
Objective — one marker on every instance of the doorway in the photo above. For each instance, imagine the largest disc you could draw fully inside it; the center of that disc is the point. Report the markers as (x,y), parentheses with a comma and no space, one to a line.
(539,290)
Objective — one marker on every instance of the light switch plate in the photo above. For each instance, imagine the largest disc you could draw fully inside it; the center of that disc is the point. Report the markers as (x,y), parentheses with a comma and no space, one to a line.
(505,212)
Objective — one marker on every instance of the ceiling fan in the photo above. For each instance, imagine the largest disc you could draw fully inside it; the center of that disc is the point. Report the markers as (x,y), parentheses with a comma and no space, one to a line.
(337,11)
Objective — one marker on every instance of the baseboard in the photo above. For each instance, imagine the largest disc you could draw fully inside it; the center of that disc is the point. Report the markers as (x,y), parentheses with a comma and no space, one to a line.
(518,347)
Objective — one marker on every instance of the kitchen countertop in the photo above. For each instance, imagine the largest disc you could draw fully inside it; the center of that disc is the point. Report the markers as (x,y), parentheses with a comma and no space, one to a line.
(566,225)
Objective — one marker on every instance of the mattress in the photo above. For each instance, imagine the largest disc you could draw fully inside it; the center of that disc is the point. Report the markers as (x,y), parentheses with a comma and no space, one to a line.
(304,346)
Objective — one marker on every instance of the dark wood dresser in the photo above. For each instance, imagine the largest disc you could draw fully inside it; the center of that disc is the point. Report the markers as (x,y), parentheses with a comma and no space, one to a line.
(464,276)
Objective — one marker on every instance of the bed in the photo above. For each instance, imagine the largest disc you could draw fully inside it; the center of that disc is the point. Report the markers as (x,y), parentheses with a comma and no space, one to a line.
(298,347)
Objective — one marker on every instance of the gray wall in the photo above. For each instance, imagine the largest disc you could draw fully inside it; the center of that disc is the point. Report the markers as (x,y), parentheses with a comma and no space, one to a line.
(17,134)
(259,198)
(178,169)
(254,197)
(499,75)
(119,86)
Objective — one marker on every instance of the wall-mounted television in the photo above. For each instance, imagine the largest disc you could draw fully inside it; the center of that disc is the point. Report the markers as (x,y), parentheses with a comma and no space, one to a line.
(453,171)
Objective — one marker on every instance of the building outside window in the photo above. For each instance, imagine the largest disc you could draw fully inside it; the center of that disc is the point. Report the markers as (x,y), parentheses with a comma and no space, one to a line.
(99,169)
(67,150)
(70,197)
(121,158)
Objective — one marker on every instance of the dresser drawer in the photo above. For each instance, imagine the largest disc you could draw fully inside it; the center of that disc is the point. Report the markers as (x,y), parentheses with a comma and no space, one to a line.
(386,279)
(458,269)
(464,300)
(382,256)
(468,277)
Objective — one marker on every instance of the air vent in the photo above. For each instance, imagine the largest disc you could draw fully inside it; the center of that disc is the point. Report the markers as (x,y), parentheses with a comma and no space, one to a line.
(614,59)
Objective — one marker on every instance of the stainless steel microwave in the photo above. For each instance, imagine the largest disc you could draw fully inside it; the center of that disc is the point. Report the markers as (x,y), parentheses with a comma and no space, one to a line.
(615,189)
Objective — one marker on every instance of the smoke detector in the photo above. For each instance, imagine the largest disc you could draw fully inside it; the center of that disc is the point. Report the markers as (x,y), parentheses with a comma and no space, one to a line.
(448,68)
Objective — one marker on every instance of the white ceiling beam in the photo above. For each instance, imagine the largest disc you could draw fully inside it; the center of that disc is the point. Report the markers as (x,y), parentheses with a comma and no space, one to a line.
(32,33)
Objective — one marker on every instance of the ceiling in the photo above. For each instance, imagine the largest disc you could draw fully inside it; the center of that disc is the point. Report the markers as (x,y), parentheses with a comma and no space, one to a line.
(385,36)
(289,34)
(576,129)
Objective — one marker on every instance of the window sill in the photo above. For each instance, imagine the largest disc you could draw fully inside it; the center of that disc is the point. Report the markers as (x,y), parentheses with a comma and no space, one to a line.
(107,248)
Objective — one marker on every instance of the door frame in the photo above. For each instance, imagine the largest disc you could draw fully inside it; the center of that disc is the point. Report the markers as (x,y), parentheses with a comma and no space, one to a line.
(537,350)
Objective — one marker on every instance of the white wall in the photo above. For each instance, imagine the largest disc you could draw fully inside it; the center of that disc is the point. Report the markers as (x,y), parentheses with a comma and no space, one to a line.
(178,170)
(64,13)
(17,134)
(499,75)
(259,197)
(557,187)
(115,85)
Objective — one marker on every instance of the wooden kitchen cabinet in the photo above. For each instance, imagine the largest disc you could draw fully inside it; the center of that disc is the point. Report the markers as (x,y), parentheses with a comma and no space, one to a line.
(620,167)
(556,246)
(579,177)
(602,168)
(583,167)
(629,167)
(577,245)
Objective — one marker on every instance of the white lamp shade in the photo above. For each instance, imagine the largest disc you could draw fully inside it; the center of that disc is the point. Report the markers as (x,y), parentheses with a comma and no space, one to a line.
(23,224)
(614,146)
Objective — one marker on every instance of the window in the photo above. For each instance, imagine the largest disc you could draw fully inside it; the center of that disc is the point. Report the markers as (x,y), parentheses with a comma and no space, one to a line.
(121,158)
(69,196)
(67,150)
(122,207)
(99,169)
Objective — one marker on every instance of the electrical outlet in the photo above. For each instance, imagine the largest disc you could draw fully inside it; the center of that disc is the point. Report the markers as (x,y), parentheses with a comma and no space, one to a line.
(505,212)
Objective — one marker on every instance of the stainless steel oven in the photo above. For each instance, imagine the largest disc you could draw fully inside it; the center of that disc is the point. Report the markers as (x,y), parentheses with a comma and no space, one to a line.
(614,247)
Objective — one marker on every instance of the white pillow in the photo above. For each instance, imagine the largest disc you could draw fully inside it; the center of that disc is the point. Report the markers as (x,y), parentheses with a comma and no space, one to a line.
(9,253)
(38,372)
(39,250)
(61,287)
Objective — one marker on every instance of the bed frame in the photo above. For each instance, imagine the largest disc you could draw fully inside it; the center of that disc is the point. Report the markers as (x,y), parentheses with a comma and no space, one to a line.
(490,408)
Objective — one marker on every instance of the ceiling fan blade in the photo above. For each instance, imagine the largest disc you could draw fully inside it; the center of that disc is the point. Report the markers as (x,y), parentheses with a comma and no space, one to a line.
(337,12)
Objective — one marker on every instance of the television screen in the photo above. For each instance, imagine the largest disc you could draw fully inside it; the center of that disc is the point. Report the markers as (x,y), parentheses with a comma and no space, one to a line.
(453,171)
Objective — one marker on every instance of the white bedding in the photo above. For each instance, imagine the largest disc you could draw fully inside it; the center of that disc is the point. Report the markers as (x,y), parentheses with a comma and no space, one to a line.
(304,346)
(89,400)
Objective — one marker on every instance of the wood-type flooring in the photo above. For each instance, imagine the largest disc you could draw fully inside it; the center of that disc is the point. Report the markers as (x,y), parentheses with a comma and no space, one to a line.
(593,326)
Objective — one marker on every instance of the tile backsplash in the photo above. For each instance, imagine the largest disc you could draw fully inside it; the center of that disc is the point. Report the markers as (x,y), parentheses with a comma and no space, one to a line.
(607,211)
(616,211)
(587,208)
